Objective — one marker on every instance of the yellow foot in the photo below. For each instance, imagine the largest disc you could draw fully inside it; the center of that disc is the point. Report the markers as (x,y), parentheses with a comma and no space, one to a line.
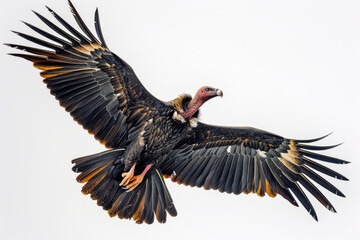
(134,182)
(127,176)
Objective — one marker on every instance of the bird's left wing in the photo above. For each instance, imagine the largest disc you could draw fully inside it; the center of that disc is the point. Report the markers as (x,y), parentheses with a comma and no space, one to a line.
(236,160)
(99,89)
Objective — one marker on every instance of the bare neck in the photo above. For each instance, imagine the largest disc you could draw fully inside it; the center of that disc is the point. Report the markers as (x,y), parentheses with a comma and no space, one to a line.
(193,106)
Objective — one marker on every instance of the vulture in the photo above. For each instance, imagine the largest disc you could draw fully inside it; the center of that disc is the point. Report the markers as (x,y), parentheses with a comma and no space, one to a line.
(149,139)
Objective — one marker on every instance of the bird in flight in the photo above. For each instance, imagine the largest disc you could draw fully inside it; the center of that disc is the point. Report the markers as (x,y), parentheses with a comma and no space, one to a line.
(149,139)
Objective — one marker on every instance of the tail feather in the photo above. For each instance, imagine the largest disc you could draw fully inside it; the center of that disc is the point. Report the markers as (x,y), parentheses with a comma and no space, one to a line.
(102,174)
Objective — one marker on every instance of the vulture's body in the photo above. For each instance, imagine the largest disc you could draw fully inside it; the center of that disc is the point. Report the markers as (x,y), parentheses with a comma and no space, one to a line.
(148,138)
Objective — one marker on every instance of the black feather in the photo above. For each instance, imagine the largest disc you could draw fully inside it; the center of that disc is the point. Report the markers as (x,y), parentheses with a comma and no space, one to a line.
(316,148)
(311,140)
(230,176)
(74,41)
(238,174)
(214,168)
(245,172)
(225,172)
(296,189)
(324,169)
(48,35)
(57,48)
(316,193)
(81,37)
(323,157)
(285,193)
(256,174)
(218,172)
(81,23)
(98,28)
(203,161)
(317,178)
(202,178)
(250,176)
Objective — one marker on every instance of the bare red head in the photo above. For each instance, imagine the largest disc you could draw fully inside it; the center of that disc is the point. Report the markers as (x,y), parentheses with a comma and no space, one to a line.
(202,95)
(206,93)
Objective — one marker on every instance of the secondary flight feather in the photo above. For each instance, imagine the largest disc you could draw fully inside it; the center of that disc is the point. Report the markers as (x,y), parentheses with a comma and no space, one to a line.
(149,139)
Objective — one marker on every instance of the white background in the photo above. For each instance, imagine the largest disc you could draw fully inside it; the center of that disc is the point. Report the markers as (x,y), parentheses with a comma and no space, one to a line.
(289,67)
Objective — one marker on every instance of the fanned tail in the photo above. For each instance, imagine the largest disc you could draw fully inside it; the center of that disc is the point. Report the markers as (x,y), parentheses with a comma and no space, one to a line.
(102,174)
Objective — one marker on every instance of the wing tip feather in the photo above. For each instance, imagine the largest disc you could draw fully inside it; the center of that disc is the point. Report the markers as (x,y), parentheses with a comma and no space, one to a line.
(318,148)
(312,140)
(50,10)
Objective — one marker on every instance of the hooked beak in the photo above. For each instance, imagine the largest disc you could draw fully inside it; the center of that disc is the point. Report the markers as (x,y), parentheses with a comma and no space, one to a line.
(218,92)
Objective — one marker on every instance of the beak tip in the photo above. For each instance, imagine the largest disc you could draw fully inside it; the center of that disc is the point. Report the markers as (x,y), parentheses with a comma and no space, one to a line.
(219,93)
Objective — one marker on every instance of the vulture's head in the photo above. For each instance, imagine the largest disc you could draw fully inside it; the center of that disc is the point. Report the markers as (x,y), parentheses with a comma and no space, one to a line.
(206,93)
(202,95)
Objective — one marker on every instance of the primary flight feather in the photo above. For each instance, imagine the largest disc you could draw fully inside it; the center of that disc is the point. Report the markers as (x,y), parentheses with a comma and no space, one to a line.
(149,139)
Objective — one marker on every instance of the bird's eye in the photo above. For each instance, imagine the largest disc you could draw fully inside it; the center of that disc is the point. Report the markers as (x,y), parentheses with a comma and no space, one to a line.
(207,89)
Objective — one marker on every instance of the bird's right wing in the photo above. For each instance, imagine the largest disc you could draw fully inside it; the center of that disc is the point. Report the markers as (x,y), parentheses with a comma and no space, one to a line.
(236,160)
(99,89)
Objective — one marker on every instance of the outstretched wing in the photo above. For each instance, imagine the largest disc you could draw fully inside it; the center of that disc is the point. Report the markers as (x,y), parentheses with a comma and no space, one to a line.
(98,88)
(236,160)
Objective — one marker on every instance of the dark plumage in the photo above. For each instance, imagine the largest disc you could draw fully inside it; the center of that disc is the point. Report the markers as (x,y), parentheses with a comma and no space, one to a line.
(149,138)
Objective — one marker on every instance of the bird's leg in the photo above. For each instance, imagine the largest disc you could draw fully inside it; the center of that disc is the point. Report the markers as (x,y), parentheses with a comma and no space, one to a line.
(127,176)
(131,156)
(136,180)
